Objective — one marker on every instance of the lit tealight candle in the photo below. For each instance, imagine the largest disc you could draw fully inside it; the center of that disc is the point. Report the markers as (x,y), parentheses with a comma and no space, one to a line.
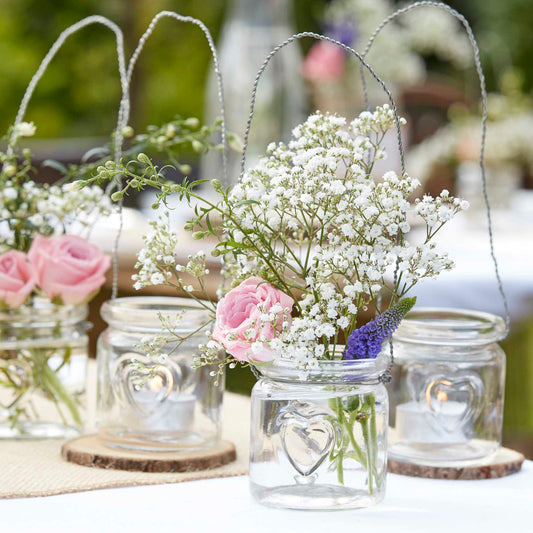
(416,423)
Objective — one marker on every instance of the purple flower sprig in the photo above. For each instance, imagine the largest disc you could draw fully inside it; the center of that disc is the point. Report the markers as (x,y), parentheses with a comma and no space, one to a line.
(366,341)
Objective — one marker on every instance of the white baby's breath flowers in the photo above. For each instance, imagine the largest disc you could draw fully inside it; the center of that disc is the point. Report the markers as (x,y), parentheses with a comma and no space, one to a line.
(156,261)
(49,210)
(24,129)
(314,209)
(316,221)
(157,264)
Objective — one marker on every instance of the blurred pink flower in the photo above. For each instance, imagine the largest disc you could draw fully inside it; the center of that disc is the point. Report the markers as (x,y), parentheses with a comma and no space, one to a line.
(324,62)
(69,268)
(17,278)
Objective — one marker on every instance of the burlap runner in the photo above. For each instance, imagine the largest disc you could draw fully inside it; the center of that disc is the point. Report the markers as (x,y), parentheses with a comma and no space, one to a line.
(35,468)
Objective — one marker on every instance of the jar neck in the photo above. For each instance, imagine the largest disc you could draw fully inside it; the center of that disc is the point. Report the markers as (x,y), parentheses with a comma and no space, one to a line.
(450,329)
(334,372)
(155,315)
(42,313)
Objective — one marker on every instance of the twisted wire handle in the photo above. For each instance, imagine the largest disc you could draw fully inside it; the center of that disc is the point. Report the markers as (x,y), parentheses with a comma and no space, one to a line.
(93,19)
(483,89)
(385,377)
(124,102)
(362,62)
(124,113)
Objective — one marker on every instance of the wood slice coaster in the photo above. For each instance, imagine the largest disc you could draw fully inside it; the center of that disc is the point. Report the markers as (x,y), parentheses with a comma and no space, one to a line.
(90,450)
(504,463)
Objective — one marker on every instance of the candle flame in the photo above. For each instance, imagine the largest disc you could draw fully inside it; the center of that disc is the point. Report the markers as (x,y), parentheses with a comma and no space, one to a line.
(441,395)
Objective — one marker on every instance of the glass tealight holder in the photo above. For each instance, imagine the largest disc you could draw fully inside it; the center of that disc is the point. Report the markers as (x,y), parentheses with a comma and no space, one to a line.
(447,387)
(43,365)
(153,398)
(319,438)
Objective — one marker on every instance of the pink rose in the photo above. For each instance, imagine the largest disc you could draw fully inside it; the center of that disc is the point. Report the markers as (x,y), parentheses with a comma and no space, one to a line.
(17,278)
(239,326)
(324,62)
(69,268)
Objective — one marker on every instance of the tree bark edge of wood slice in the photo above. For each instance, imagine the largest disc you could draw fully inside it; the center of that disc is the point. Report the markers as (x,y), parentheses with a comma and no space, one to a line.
(504,463)
(91,451)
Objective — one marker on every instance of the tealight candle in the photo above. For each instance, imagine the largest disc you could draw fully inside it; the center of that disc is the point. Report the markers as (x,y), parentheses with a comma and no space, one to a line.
(416,423)
(175,413)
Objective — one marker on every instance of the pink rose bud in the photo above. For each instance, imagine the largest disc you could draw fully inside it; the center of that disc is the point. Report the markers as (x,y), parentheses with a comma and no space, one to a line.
(69,268)
(240,325)
(17,278)
(324,62)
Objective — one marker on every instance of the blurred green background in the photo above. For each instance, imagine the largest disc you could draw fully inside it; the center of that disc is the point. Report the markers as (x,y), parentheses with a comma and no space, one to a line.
(79,94)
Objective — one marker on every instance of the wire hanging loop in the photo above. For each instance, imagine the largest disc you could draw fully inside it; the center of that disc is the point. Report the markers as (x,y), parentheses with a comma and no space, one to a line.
(482,85)
(124,115)
(216,64)
(94,19)
(385,377)
(124,102)
(362,62)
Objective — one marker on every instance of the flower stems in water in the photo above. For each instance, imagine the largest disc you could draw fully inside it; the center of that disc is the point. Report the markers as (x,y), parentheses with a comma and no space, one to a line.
(38,377)
(361,410)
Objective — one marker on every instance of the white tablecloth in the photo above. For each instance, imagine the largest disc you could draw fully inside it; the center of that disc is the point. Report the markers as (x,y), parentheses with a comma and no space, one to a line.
(472,283)
(225,506)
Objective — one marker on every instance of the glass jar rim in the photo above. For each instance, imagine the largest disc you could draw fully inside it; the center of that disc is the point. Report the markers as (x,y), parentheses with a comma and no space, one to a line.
(41,313)
(142,313)
(333,371)
(450,327)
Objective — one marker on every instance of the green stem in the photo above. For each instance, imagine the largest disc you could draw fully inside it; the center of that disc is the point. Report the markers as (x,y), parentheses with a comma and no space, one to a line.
(349,430)
(374,436)
(365,426)
(59,392)
(340,455)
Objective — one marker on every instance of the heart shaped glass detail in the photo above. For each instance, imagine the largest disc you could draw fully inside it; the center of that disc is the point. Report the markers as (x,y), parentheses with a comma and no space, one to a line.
(453,401)
(143,384)
(307,436)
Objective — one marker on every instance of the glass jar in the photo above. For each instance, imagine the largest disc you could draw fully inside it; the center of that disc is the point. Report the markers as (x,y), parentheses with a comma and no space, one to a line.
(448,387)
(43,365)
(319,438)
(149,395)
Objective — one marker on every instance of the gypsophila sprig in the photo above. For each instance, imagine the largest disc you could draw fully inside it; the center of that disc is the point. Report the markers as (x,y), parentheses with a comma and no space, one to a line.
(314,221)
(28,208)
(169,141)
(157,264)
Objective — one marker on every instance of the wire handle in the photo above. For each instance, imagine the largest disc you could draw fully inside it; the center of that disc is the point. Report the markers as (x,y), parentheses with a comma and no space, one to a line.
(385,377)
(124,113)
(345,48)
(483,89)
(94,19)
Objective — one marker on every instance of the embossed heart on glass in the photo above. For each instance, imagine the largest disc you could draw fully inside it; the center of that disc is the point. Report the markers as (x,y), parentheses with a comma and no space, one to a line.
(144,384)
(454,400)
(307,436)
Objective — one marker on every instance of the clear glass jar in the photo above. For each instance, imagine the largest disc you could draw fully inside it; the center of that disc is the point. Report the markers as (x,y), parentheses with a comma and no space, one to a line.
(153,399)
(448,387)
(319,438)
(43,366)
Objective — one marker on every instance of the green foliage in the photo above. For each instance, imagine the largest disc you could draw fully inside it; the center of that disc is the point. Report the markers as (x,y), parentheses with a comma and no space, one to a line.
(80,92)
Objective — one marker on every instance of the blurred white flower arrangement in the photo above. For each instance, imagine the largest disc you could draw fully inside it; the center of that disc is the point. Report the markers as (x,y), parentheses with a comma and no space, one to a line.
(397,55)
(510,121)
